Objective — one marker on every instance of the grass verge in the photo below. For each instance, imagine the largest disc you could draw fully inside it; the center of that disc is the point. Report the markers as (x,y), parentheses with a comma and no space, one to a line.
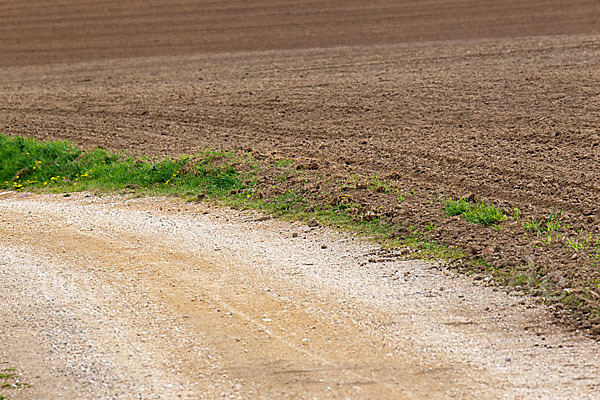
(237,181)
(372,206)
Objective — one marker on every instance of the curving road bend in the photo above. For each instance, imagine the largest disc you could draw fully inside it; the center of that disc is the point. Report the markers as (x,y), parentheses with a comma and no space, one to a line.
(115,297)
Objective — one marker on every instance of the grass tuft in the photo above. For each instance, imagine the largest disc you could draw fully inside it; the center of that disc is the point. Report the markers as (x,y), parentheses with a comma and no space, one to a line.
(477,213)
(9,379)
(550,223)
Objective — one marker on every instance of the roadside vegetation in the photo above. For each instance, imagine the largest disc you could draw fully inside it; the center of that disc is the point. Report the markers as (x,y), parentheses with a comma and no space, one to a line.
(485,214)
(9,380)
(372,206)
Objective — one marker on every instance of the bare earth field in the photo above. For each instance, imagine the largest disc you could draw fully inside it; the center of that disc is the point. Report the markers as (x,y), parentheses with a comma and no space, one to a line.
(496,101)
(512,120)
(515,121)
(39,32)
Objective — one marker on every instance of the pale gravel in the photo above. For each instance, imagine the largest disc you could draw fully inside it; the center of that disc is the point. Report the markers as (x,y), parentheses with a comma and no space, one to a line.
(441,318)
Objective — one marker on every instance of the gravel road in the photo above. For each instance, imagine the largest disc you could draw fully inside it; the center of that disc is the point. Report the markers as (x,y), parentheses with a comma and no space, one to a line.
(123,298)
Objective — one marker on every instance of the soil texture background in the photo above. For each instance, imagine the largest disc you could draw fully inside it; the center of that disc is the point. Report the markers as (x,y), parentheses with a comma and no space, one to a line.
(38,32)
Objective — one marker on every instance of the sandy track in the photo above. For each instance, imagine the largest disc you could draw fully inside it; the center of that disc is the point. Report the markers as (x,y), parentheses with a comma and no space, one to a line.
(118,298)
(39,32)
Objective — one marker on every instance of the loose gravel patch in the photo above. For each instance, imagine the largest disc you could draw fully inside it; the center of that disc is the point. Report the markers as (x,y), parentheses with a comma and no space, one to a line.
(124,297)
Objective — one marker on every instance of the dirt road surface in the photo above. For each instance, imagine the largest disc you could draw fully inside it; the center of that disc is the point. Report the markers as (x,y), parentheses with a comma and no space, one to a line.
(156,298)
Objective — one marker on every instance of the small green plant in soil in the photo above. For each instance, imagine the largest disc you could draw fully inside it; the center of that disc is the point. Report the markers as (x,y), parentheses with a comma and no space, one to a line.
(550,223)
(585,243)
(284,162)
(478,213)
(402,195)
(9,379)
(516,214)
(379,185)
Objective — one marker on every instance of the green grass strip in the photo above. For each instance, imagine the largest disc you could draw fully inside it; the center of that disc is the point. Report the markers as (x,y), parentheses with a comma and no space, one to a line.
(59,167)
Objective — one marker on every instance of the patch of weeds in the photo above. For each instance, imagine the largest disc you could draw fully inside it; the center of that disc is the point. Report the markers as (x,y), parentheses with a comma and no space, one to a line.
(9,379)
(516,214)
(485,215)
(596,255)
(549,237)
(283,163)
(285,203)
(529,278)
(576,244)
(402,195)
(519,279)
(570,299)
(456,207)
(430,227)
(283,177)
(550,223)
(376,184)
(586,243)
(478,213)
(59,166)
(429,249)
(353,181)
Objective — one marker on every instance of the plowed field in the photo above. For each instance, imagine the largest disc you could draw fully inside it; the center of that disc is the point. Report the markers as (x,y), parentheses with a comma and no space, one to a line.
(37,32)
(498,101)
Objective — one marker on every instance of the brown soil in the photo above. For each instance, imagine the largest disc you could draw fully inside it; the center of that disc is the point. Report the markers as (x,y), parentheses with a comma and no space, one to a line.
(512,121)
(38,32)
